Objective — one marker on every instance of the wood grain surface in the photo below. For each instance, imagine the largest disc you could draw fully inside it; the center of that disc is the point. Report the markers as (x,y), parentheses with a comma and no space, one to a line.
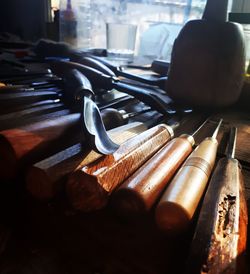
(219,243)
(89,188)
(27,144)
(141,190)
(45,179)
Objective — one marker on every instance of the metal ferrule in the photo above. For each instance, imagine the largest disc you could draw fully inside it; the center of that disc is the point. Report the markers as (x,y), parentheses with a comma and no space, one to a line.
(169,129)
(189,138)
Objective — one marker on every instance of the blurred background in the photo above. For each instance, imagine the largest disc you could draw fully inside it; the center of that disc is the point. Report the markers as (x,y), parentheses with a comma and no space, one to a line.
(82,23)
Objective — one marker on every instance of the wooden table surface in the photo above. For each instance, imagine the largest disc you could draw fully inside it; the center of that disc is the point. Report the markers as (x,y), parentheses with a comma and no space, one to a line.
(41,238)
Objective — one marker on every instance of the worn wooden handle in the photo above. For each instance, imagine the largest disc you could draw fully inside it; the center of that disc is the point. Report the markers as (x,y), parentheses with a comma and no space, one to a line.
(140,191)
(219,243)
(89,188)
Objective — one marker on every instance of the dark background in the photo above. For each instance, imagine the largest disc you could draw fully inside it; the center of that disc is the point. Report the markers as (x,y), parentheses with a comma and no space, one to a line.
(25,18)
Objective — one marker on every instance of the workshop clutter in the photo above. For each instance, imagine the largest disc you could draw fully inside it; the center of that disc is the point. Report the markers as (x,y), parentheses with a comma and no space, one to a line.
(155,162)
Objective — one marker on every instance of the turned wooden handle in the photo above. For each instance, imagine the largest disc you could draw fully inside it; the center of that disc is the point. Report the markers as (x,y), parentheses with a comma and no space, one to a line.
(179,202)
(140,191)
(89,188)
(46,178)
(27,144)
(219,243)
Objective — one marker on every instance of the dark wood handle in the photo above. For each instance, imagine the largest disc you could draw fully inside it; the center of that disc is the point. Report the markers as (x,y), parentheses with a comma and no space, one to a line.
(33,142)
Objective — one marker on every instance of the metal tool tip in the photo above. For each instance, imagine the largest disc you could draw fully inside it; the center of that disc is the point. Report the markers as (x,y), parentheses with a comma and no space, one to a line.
(217,129)
(231,142)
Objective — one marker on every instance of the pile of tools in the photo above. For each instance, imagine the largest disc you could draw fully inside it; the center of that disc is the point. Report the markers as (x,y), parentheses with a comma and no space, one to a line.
(54,136)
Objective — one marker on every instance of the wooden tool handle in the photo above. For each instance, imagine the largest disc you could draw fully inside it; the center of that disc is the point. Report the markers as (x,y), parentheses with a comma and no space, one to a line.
(46,178)
(24,145)
(28,116)
(89,188)
(14,99)
(179,202)
(140,191)
(219,243)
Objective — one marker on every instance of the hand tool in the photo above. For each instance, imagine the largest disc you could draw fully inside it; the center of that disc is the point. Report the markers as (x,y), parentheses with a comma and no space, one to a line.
(89,188)
(37,138)
(24,145)
(106,82)
(113,118)
(28,115)
(160,66)
(92,124)
(219,242)
(27,97)
(181,198)
(15,108)
(113,71)
(118,102)
(212,51)
(45,179)
(29,80)
(24,74)
(8,89)
(141,190)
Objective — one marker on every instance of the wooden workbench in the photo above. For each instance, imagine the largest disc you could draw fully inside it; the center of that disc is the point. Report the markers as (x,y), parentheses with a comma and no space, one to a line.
(52,238)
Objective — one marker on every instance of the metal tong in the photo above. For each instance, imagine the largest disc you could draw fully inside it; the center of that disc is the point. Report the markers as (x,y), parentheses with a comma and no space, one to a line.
(101,81)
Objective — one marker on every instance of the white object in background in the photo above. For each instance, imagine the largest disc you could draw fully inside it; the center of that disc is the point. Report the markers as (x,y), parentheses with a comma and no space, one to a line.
(153,40)
(241,6)
(121,40)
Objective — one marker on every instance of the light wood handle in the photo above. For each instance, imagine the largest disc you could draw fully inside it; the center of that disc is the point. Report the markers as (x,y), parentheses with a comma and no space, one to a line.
(140,191)
(179,202)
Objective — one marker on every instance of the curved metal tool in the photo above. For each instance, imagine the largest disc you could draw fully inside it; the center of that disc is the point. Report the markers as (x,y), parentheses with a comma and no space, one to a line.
(94,130)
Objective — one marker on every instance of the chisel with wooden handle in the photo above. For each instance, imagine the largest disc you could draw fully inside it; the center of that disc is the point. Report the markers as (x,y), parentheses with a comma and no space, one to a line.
(89,188)
(179,202)
(45,179)
(141,190)
(219,242)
